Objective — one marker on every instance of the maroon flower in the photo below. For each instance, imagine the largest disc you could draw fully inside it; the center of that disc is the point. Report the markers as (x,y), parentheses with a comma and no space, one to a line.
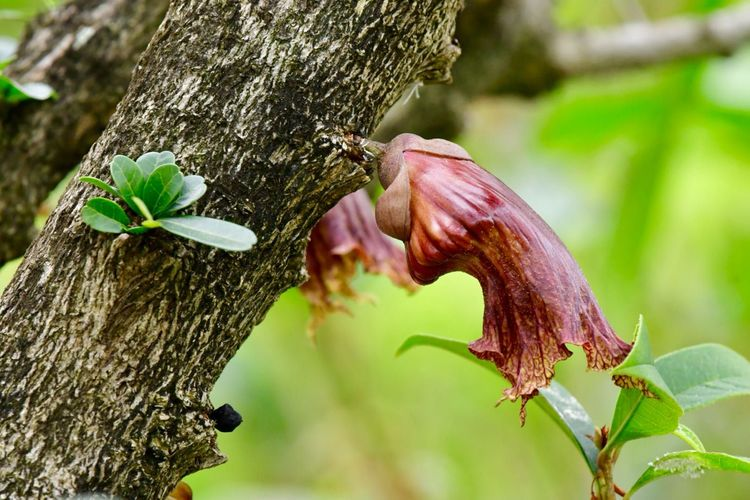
(455,216)
(348,234)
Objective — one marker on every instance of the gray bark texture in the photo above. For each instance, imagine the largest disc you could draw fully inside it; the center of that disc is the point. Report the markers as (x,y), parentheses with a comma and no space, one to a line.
(86,50)
(109,346)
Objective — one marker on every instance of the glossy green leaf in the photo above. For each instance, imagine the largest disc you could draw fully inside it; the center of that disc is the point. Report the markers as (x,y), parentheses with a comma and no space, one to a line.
(704,374)
(161,188)
(681,381)
(12,91)
(193,189)
(137,230)
(561,406)
(101,185)
(691,438)
(149,161)
(213,232)
(689,464)
(129,180)
(637,415)
(105,215)
(568,413)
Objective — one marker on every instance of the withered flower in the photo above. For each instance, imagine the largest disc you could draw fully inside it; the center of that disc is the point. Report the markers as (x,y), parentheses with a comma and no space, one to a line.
(348,234)
(455,216)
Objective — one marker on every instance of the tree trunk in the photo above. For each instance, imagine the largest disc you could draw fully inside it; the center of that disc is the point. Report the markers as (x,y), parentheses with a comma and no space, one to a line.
(86,51)
(109,346)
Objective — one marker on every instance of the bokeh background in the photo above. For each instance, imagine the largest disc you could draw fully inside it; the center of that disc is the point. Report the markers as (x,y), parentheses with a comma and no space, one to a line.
(646,177)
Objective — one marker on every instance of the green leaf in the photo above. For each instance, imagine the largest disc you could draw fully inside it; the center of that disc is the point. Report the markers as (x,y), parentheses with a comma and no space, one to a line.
(213,232)
(105,215)
(455,346)
(636,415)
(162,187)
(129,180)
(570,415)
(143,209)
(149,161)
(13,91)
(690,464)
(137,230)
(101,185)
(691,438)
(555,400)
(683,380)
(193,189)
(704,374)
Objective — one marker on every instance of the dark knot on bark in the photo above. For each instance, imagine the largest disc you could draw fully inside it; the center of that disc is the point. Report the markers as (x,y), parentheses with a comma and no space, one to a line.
(226,418)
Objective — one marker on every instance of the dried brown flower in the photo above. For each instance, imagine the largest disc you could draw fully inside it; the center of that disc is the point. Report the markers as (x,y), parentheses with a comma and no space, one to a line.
(455,216)
(348,234)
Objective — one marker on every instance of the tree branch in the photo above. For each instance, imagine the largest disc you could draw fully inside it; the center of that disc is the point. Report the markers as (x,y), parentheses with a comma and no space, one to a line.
(110,346)
(513,47)
(643,43)
(86,50)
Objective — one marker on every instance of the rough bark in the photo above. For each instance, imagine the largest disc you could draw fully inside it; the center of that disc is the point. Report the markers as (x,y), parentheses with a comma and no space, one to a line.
(109,346)
(86,51)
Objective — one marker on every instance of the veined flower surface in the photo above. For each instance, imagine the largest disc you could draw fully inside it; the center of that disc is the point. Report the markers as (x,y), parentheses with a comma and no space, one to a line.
(348,234)
(455,216)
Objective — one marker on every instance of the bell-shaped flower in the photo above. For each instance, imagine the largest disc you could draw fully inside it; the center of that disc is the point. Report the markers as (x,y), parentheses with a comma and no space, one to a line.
(455,216)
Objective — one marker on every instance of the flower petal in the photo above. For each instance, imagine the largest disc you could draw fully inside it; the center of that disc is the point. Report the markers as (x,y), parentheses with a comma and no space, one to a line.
(348,234)
(461,218)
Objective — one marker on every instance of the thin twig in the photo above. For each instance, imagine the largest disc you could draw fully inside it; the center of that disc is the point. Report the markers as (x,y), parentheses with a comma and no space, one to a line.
(647,43)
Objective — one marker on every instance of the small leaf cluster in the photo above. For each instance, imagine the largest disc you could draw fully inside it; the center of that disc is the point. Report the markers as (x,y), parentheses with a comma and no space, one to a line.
(12,91)
(154,188)
(678,382)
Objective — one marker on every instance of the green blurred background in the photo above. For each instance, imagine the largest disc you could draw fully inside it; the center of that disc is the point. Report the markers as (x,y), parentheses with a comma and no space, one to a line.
(646,177)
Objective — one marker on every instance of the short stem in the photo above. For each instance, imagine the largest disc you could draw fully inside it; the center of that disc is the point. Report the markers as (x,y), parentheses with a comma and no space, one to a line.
(604,485)
(375,148)
(144,210)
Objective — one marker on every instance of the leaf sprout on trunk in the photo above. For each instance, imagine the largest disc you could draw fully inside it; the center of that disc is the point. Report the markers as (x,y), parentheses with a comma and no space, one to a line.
(155,189)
